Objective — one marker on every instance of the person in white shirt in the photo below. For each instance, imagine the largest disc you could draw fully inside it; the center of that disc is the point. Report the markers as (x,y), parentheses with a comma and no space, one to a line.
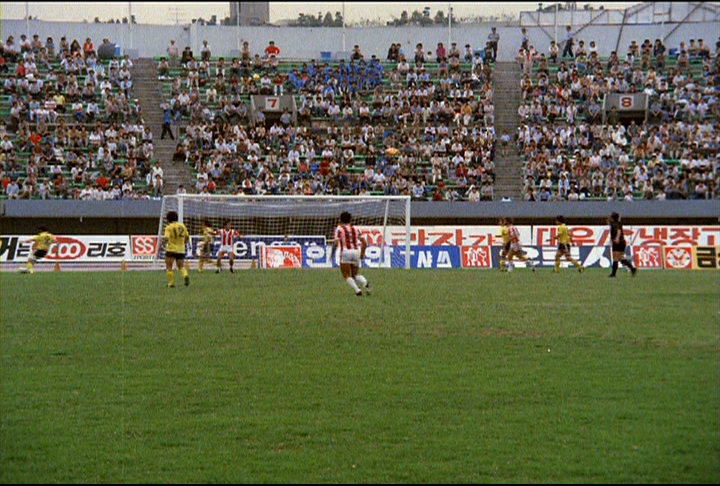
(98,194)
(473,194)
(294,156)
(211,94)
(157,170)
(86,193)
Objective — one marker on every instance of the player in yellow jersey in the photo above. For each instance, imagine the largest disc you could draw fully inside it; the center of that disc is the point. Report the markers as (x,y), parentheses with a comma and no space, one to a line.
(564,241)
(205,247)
(504,234)
(175,238)
(41,245)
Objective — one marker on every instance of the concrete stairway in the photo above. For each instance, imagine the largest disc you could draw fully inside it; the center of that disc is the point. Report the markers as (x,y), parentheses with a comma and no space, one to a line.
(507,98)
(148,90)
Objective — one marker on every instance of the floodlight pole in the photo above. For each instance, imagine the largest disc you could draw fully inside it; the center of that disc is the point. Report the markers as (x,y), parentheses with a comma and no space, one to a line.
(130,26)
(449,43)
(237,23)
(343,26)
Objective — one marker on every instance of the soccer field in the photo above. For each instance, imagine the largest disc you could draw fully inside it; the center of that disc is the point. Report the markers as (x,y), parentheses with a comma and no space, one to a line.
(284,376)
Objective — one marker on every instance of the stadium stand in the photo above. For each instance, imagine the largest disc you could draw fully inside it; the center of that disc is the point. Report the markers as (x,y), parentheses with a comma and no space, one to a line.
(572,150)
(73,128)
(364,126)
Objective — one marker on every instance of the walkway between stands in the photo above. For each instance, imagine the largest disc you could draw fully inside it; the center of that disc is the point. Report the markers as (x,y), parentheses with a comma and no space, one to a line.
(508,165)
(148,90)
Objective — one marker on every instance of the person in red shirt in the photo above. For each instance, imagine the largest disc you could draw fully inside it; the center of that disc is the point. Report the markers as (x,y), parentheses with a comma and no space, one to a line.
(272,50)
(5,180)
(35,138)
(351,246)
(102,181)
(88,48)
(436,194)
(228,235)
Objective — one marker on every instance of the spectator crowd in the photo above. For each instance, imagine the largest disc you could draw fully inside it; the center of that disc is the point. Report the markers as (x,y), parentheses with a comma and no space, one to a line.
(421,123)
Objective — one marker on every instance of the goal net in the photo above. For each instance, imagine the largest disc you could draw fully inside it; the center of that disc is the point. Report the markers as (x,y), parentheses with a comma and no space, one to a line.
(296,231)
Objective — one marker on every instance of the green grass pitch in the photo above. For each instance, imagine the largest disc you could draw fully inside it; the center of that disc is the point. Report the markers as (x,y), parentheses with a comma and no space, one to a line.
(439,376)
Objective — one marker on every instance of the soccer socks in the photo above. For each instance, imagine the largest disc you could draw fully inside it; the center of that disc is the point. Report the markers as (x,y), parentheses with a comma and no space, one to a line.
(171,278)
(351,282)
(200,265)
(571,260)
(30,264)
(629,265)
(361,281)
(184,273)
(614,269)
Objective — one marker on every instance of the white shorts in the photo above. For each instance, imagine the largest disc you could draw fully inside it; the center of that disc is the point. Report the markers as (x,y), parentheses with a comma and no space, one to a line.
(350,256)
(225,249)
(515,247)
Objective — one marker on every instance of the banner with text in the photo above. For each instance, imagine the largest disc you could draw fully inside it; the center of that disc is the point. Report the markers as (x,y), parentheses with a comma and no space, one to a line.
(669,247)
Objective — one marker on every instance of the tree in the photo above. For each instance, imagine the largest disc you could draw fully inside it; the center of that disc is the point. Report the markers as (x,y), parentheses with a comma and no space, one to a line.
(416,18)
(328,20)
(403,18)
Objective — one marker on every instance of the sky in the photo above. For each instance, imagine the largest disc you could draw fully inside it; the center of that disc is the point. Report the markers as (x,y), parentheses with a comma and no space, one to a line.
(169,13)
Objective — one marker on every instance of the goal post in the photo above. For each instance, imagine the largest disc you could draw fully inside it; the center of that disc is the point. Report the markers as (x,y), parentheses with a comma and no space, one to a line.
(306,223)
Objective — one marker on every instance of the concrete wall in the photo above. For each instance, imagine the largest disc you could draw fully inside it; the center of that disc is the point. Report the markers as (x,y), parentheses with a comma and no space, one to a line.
(309,43)
(142,217)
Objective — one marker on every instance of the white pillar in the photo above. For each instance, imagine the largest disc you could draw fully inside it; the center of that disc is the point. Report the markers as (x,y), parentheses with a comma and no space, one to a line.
(343,27)
(130,24)
(449,42)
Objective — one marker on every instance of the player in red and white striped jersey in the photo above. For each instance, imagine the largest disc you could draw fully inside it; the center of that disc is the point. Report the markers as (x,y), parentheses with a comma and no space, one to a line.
(227,238)
(515,247)
(351,248)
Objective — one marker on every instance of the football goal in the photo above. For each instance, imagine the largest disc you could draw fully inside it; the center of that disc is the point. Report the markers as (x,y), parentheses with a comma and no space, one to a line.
(305,224)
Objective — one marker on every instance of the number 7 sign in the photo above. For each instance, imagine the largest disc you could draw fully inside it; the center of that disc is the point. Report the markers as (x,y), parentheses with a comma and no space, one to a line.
(272,103)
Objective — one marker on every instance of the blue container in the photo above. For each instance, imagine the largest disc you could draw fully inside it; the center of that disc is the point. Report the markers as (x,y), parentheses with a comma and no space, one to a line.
(118,50)
(325,55)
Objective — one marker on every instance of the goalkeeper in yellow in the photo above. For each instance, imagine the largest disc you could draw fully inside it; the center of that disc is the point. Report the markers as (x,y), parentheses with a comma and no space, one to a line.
(205,247)
(175,238)
(41,245)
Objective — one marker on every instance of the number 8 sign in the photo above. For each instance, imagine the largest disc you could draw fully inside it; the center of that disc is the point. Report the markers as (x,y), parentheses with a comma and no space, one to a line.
(626,102)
